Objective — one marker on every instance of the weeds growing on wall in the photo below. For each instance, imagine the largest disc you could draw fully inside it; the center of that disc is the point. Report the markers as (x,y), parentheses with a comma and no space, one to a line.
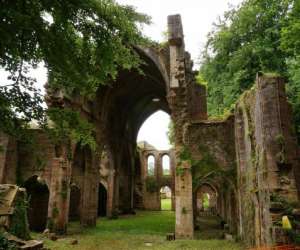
(207,168)
(151,185)
(288,210)
(5,244)
(19,222)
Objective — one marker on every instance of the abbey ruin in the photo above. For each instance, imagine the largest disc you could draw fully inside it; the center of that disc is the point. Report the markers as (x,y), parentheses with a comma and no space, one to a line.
(252,155)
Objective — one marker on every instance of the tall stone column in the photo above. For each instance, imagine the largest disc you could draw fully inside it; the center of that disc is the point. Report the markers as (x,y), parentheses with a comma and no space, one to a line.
(110,193)
(184,227)
(58,208)
(90,190)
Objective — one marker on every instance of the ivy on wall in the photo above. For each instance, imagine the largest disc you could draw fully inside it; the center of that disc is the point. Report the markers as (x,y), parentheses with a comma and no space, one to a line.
(151,185)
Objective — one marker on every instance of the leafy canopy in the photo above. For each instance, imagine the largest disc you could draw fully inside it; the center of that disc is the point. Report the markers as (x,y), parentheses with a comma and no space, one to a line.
(83,44)
(259,35)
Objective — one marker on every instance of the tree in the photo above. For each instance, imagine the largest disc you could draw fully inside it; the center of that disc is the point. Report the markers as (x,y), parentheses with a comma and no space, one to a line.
(248,39)
(291,44)
(83,44)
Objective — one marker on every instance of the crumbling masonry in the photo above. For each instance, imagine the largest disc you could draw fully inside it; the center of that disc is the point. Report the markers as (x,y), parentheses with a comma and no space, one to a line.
(252,154)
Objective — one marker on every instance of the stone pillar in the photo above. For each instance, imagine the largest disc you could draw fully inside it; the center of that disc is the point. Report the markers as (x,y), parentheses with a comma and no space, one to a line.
(58,208)
(177,98)
(110,193)
(184,227)
(90,190)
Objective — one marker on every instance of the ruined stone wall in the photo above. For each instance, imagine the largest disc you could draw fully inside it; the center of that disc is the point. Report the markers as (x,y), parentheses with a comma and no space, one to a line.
(151,185)
(8,159)
(266,158)
(211,148)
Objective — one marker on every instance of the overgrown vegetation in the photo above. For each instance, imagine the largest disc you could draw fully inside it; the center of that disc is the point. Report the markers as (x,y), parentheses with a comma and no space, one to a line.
(259,35)
(19,221)
(83,45)
(288,210)
(151,184)
(5,244)
(207,168)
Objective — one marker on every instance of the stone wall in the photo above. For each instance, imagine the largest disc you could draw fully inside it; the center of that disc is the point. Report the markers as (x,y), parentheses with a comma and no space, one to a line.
(151,198)
(266,157)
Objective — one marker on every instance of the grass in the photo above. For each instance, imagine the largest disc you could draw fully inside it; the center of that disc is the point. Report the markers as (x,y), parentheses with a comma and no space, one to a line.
(145,230)
(166,204)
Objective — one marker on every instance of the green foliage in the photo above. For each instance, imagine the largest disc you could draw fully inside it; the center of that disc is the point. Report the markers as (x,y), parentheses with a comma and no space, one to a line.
(171,133)
(69,125)
(256,36)
(207,168)
(151,185)
(19,222)
(82,43)
(5,244)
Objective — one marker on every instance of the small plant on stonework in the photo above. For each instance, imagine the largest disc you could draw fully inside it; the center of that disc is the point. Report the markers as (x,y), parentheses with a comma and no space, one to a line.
(55,212)
(64,190)
(5,244)
(183,210)
(40,163)
(151,185)
(19,224)
(179,171)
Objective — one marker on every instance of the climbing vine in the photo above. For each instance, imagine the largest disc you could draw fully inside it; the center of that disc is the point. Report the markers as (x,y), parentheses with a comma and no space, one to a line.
(151,185)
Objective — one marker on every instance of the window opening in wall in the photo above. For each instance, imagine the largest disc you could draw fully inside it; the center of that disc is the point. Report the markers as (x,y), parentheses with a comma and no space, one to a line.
(166,165)
(166,198)
(150,165)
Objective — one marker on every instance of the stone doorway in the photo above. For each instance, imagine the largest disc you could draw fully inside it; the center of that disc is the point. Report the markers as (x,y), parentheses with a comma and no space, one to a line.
(74,210)
(102,200)
(166,199)
(38,196)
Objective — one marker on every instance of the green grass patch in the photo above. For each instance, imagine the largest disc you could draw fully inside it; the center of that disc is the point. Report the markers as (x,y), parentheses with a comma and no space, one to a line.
(166,204)
(146,230)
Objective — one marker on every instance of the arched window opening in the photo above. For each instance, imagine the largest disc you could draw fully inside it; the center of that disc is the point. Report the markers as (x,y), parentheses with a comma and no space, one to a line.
(38,195)
(150,165)
(166,165)
(166,198)
(206,201)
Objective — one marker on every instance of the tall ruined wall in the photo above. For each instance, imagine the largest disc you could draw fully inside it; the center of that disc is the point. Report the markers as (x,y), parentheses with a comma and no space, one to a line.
(150,185)
(210,146)
(266,158)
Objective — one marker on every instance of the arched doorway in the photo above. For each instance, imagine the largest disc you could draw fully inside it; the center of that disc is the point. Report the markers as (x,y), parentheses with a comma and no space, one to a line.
(74,210)
(102,200)
(206,200)
(166,198)
(38,196)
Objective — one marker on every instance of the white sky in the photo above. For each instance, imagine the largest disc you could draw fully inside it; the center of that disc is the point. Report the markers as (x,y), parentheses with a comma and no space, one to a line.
(197,17)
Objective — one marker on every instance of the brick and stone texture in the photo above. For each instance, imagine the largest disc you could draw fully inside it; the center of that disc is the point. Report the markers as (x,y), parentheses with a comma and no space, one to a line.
(266,156)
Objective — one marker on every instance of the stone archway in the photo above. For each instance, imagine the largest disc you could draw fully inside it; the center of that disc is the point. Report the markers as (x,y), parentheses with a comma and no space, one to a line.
(102,201)
(74,209)
(38,195)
